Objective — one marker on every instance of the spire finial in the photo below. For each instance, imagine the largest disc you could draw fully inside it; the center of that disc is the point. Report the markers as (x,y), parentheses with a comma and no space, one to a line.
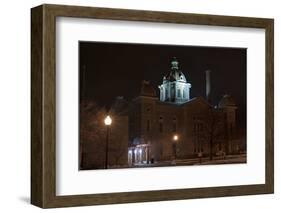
(175,63)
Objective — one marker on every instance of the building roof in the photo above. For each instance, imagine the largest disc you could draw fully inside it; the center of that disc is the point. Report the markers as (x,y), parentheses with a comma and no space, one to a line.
(226,100)
(190,101)
(120,105)
(198,99)
(147,89)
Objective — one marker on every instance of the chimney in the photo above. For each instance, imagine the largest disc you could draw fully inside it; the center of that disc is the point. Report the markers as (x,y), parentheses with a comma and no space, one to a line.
(208,85)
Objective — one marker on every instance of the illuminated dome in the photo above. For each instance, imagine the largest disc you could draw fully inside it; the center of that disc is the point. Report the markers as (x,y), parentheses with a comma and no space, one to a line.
(175,89)
(226,101)
(175,74)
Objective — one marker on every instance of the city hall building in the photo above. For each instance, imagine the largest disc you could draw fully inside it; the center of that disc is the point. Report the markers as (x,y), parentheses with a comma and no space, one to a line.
(177,126)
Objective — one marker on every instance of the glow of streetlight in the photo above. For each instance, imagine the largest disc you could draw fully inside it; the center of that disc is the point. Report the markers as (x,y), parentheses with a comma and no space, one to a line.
(176,137)
(107,120)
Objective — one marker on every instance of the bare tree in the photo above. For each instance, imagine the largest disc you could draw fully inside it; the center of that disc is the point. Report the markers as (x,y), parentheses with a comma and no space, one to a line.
(91,135)
(214,130)
(92,145)
(118,144)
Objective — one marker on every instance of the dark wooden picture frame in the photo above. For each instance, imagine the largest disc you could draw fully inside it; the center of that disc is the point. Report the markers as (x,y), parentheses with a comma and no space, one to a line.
(43,105)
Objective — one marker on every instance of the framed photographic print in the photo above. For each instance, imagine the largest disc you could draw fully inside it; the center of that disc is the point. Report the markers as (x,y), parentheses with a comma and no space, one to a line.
(136,106)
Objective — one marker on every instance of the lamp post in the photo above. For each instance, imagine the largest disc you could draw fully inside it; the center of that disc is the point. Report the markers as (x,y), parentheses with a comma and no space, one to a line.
(175,140)
(107,122)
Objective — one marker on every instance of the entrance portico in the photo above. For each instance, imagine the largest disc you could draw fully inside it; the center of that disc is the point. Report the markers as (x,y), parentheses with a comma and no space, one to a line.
(138,154)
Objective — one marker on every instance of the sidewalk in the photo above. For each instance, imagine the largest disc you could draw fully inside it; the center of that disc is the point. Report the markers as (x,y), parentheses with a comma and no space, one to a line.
(229,159)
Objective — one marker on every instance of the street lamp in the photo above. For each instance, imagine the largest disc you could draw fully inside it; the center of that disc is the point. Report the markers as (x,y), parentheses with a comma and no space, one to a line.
(107,122)
(176,137)
(175,140)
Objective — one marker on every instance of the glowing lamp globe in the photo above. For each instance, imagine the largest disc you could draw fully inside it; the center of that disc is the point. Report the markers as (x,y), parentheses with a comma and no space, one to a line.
(107,120)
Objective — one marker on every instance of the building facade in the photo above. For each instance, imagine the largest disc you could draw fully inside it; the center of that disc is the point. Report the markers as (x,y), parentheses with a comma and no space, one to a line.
(176,126)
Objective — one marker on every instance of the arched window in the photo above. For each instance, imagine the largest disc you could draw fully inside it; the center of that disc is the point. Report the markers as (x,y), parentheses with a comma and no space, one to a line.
(178,93)
(174,124)
(161,124)
(184,94)
(148,125)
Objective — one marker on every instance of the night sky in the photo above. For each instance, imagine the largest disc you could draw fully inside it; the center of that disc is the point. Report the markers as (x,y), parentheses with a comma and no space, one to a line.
(108,70)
